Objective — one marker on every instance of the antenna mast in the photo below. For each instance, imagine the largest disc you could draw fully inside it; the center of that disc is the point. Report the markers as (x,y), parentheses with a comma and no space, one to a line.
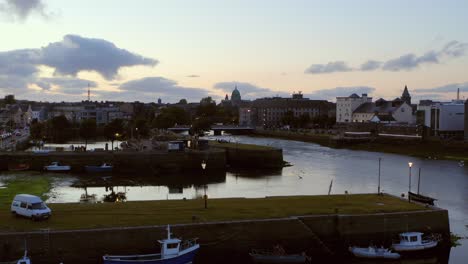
(89,93)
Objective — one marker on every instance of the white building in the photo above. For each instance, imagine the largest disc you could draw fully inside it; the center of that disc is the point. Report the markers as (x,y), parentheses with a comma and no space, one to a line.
(382,111)
(345,106)
(444,119)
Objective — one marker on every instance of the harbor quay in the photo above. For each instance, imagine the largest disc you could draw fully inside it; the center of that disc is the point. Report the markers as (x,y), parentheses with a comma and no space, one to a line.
(322,226)
(152,162)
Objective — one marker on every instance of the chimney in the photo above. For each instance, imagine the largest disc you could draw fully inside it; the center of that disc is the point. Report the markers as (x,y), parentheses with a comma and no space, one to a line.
(458,94)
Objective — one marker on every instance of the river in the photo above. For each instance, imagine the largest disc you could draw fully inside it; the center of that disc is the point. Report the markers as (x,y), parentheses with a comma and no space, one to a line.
(314,167)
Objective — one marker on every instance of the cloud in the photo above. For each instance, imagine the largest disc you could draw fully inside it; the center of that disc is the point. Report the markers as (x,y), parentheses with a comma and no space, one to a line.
(75,53)
(65,84)
(22,9)
(335,66)
(193,76)
(449,88)
(406,62)
(370,65)
(248,90)
(332,93)
(151,88)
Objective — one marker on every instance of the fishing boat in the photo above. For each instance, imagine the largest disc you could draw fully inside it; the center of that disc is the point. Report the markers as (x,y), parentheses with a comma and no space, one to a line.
(56,166)
(278,255)
(414,241)
(373,252)
(101,168)
(18,167)
(421,198)
(173,251)
(24,260)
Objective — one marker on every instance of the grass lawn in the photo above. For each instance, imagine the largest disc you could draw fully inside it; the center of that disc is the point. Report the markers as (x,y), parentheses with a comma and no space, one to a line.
(77,216)
(31,184)
(239,146)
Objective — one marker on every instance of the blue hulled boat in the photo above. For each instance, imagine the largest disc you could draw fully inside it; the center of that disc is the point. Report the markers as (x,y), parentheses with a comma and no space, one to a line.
(101,168)
(173,251)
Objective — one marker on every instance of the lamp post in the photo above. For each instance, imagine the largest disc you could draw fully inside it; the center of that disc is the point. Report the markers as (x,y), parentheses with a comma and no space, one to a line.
(205,197)
(410,164)
(378,187)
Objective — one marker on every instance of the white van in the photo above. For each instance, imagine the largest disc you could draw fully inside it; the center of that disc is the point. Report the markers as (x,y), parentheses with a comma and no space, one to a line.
(30,206)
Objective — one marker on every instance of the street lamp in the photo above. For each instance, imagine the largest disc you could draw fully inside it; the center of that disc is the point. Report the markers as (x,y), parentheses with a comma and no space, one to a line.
(205,197)
(378,187)
(410,164)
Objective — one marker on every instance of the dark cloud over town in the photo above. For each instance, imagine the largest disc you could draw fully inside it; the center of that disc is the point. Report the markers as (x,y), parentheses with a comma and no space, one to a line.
(68,57)
(19,10)
(406,62)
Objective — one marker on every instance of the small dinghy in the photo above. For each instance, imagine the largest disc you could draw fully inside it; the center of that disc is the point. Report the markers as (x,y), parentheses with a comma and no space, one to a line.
(101,168)
(18,167)
(55,166)
(414,241)
(373,252)
(173,251)
(278,255)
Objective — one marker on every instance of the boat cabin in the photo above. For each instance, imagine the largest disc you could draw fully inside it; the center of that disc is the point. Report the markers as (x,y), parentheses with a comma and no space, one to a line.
(169,246)
(411,238)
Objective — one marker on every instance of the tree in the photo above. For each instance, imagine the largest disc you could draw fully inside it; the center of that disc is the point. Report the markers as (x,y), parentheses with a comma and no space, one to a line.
(10,99)
(88,129)
(114,130)
(288,119)
(303,120)
(37,130)
(58,128)
(183,101)
(170,116)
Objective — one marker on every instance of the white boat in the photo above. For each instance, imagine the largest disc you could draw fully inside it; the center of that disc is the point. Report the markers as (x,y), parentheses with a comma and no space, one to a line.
(414,241)
(24,260)
(373,252)
(173,251)
(55,166)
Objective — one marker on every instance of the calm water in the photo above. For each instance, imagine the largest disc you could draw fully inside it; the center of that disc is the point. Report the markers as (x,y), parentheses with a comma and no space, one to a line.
(313,169)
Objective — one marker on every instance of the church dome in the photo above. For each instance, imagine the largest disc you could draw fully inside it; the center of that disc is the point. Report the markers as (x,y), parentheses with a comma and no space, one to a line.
(235,96)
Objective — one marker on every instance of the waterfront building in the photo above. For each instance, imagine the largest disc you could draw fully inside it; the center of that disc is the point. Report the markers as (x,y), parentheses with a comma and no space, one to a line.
(444,119)
(269,112)
(382,111)
(466,120)
(345,106)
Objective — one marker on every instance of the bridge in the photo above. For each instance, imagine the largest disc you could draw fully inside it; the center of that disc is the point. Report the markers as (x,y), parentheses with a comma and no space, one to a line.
(217,129)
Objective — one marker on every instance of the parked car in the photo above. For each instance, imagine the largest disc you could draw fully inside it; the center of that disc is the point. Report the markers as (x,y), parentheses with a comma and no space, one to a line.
(30,206)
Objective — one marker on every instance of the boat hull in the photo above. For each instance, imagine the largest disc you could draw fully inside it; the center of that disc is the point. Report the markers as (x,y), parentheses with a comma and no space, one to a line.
(98,169)
(57,168)
(413,248)
(18,167)
(377,254)
(421,198)
(151,259)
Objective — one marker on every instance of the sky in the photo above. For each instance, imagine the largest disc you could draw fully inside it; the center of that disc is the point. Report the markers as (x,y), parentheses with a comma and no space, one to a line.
(52,50)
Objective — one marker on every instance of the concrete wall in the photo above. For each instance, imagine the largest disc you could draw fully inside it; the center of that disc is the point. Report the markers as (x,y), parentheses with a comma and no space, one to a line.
(123,162)
(316,234)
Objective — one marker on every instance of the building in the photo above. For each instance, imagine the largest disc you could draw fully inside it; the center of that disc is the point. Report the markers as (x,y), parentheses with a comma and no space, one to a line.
(269,112)
(466,120)
(406,97)
(444,119)
(382,111)
(345,106)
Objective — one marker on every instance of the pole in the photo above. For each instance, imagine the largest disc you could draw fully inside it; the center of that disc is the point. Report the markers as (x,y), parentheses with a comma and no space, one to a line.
(378,188)
(409,184)
(419,178)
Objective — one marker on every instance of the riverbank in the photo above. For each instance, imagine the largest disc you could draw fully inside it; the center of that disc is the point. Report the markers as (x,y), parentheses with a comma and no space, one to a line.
(423,149)
(321,226)
(32,183)
(142,213)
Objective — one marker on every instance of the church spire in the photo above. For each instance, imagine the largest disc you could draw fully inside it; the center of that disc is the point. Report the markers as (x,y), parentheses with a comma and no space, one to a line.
(406,97)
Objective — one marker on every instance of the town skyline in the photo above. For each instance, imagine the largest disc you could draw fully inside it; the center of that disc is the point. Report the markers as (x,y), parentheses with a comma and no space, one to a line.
(265,49)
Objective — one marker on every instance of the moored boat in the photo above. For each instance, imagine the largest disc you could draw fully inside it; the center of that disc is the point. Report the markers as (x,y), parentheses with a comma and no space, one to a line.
(56,166)
(414,241)
(18,167)
(278,255)
(373,252)
(173,251)
(24,260)
(101,168)
(421,198)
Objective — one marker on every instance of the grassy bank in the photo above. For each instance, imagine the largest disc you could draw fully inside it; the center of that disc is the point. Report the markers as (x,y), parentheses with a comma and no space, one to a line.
(434,149)
(77,216)
(33,183)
